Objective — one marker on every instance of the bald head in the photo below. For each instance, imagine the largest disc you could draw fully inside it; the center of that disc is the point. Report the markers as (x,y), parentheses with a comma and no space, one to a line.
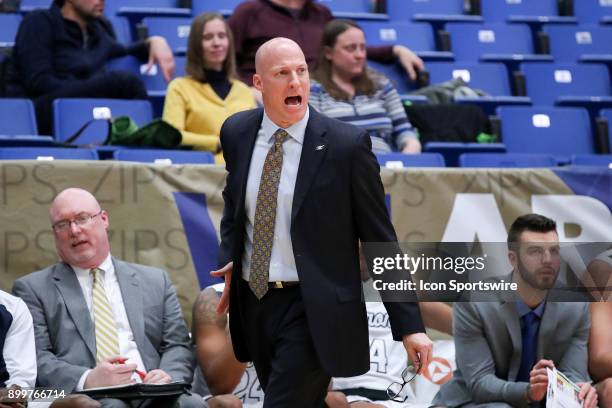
(282,78)
(274,50)
(80,228)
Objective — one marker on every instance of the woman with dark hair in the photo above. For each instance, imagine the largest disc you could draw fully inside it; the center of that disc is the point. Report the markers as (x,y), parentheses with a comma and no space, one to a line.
(199,103)
(346,89)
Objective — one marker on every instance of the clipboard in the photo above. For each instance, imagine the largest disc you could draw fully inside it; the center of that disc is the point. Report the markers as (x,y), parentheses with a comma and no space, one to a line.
(138,391)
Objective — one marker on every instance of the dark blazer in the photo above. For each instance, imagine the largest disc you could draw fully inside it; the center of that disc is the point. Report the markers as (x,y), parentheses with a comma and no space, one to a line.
(338,200)
(64,331)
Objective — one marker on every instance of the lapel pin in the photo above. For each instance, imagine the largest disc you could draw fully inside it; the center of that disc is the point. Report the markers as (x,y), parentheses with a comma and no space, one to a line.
(320,147)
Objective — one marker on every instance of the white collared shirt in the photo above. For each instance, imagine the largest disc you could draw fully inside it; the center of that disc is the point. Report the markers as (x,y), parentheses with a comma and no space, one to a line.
(127,344)
(19,352)
(282,261)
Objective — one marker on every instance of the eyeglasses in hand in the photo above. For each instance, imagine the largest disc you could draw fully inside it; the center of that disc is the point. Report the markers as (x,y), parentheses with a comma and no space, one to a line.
(395,390)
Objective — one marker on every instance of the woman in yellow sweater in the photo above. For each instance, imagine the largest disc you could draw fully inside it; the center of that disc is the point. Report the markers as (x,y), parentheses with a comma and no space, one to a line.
(199,103)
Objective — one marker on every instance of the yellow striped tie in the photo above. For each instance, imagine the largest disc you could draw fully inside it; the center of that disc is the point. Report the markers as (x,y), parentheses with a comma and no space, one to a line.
(107,339)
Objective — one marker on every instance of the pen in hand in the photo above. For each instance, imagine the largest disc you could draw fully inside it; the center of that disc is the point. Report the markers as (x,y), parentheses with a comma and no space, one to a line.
(141,374)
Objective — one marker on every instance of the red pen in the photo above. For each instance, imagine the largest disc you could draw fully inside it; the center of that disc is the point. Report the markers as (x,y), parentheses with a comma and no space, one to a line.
(141,374)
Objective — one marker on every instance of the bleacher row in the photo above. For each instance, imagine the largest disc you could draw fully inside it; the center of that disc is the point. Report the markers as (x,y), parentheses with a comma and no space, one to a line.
(546,64)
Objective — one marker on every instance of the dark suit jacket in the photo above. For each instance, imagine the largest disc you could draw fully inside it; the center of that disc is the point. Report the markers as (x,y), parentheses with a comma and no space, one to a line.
(64,331)
(338,199)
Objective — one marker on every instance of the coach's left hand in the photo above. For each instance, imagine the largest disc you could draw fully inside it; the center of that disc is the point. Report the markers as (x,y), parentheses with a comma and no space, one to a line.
(419,348)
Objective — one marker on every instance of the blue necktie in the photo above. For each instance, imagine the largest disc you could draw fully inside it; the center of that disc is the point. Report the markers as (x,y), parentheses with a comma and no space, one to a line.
(529,333)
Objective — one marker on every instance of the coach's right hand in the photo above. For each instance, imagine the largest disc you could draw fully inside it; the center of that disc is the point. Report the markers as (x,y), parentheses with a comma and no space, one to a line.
(111,371)
(226,273)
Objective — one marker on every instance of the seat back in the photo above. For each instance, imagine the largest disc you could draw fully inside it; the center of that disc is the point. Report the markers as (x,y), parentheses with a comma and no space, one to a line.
(70,114)
(416,36)
(397,160)
(490,77)
(121,25)
(396,74)
(514,160)
(569,42)
(404,10)
(17,117)
(9,24)
(470,41)
(164,156)
(591,11)
(174,29)
(217,6)
(348,6)
(557,131)
(46,153)
(594,160)
(500,10)
(112,6)
(546,82)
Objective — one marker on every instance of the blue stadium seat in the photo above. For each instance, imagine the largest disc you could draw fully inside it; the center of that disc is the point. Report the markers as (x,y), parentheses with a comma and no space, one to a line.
(47,153)
(26,141)
(452,150)
(164,156)
(594,160)
(224,7)
(506,160)
(17,117)
(143,8)
(546,130)
(394,160)
(582,85)
(9,24)
(121,25)
(29,5)
(534,13)
(593,11)
(174,29)
(396,74)
(353,9)
(489,77)
(432,11)
(69,115)
(418,37)
(492,42)
(580,43)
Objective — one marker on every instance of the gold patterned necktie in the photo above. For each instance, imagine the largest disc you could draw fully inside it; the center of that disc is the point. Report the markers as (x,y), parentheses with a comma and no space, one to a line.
(107,339)
(265,216)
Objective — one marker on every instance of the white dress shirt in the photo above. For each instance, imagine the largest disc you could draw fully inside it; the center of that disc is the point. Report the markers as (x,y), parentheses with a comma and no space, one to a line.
(19,352)
(282,261)
(127,345)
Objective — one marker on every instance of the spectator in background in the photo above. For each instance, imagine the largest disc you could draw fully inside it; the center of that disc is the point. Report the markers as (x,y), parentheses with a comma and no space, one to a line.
(199,103)
(503,348)
(600,351)
(62,52)
(255,22)
(346,89)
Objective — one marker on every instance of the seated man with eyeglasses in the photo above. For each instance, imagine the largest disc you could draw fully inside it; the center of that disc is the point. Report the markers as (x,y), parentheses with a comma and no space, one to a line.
(503,347)
(388,383)
(99,321)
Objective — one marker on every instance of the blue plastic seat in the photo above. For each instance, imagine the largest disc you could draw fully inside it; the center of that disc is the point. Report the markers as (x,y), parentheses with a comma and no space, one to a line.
(418,37)
(164,156)
(69,115)
(593,11)
(394,160)
(46,153)
(29,5)
(586,43)
(582,85)
(143,8)
(174,29)
(353,9)
(514,160)
(224,7)
(534,13)
(593,160)
(546,130)
(396,74)
(9,24)
(432,11)
(489,77)
(17,117)
(121,25)
(452,150)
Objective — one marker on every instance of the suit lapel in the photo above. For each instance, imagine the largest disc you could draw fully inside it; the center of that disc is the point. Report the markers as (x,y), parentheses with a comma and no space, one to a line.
(314,150)
(511,319)
(245,153)
(131,293)
(548,326)
(67,284)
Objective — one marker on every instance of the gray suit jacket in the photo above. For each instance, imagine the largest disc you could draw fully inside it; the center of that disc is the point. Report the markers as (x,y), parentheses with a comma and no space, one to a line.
(64,331)
(488,350)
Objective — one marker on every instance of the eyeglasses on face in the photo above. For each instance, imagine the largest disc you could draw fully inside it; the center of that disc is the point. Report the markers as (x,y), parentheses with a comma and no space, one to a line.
(81,220)
(395,390)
